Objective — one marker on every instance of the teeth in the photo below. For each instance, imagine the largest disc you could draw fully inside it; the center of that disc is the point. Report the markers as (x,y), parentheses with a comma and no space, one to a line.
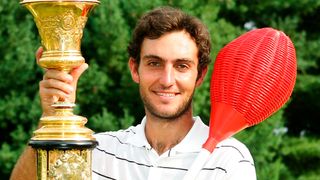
(166,94)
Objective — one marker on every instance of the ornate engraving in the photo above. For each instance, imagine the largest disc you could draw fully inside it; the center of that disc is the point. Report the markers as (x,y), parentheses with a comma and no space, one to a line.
(71,165)
(61,32)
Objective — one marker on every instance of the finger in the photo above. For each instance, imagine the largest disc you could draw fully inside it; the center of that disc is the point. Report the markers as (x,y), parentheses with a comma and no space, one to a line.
(55,99)
(76,72)
(58,75)
(55,94)
(39,54)
(56,85)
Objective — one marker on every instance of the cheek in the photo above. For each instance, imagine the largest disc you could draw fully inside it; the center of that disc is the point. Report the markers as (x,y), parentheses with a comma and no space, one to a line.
(190,76)
(188,80)
(146,77)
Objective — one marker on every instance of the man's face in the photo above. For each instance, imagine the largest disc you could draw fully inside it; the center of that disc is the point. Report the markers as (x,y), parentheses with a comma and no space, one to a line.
(167,74)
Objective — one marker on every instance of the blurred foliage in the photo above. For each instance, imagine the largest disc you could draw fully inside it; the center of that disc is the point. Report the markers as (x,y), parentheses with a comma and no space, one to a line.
(264,142)
(286,146)
(302,157)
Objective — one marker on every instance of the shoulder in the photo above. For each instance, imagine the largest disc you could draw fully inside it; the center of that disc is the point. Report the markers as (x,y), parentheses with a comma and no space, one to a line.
(234,158)
(236,149)
(105,139)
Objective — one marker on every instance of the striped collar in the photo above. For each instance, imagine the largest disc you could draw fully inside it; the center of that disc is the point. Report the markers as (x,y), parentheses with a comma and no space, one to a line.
(193,141)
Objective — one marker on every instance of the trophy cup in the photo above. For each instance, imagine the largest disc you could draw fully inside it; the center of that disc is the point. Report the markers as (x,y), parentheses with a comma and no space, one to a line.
(63,144)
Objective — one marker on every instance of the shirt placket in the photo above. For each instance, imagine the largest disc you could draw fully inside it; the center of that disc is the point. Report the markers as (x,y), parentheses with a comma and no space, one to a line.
(155,173)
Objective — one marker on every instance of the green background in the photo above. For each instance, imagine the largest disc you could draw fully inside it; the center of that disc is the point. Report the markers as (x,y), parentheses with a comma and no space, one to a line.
(286,146)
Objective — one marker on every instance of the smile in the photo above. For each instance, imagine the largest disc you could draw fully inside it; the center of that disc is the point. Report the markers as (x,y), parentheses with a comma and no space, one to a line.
(166,94)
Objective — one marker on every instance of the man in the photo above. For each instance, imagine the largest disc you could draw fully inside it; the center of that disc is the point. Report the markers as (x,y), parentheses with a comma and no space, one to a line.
(169,56)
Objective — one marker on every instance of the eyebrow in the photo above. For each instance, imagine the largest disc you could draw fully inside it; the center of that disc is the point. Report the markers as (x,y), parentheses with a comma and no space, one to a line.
(151,56)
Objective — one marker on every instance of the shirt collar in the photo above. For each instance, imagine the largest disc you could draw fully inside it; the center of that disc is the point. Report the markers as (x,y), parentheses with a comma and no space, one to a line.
(193,141)
(139,138)
(195,138)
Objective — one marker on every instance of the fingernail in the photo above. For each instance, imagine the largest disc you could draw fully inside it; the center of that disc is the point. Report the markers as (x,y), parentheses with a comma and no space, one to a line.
(87,66)
(70,78)
(71,89)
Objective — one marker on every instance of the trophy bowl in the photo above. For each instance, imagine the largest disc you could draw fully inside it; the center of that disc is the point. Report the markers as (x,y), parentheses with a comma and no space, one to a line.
(60,24)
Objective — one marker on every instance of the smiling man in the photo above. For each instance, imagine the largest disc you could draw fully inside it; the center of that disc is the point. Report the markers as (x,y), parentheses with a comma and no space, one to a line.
(169,56)
(167,77)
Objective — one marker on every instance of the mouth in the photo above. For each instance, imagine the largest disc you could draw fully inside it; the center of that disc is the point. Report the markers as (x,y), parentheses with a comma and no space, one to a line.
(166,95)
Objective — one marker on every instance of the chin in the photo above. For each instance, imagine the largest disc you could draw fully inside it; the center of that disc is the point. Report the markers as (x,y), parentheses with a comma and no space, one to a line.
(167,115)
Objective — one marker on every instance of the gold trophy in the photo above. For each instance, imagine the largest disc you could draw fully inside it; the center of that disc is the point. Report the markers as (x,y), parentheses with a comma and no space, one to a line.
(63,144)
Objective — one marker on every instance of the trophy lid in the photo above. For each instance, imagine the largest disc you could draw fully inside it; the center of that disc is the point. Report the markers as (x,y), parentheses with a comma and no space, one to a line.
(34,1)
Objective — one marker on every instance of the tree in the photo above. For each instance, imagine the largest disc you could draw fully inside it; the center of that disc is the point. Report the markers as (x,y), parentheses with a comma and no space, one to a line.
(110,100)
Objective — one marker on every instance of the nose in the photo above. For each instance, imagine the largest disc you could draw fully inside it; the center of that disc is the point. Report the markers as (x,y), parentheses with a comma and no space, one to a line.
(167,77)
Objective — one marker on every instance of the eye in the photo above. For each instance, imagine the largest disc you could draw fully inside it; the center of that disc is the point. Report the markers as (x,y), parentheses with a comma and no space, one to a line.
(182,67)
(154,63)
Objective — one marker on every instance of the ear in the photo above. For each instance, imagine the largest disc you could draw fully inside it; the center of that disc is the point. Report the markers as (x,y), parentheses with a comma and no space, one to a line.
(133,65)
(201,76)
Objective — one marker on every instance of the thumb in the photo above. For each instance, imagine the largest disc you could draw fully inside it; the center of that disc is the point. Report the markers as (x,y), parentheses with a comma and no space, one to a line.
(39,54)
(76,72)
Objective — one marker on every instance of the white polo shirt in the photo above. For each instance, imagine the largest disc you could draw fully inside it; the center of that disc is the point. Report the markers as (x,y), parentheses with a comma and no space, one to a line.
(126,155)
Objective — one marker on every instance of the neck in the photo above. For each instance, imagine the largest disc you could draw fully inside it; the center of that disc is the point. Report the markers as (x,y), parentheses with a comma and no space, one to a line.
(163,134)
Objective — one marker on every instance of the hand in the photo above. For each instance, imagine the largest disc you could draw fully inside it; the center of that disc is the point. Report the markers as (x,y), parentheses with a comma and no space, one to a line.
(57,85)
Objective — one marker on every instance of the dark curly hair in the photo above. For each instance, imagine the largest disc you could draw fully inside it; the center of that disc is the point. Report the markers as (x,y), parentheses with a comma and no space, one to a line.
(163,20)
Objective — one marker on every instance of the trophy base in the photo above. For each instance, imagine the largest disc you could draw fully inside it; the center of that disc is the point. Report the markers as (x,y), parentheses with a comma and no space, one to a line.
(62,145)
(63,159)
